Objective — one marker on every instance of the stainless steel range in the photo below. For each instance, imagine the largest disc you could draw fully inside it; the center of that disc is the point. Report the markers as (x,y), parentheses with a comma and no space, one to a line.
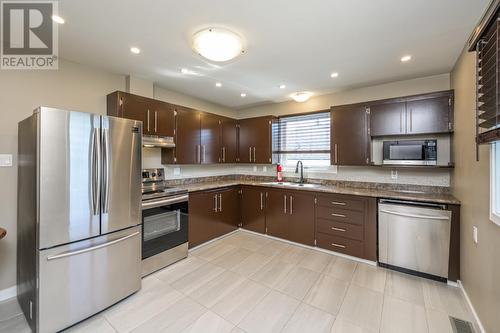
(165,222)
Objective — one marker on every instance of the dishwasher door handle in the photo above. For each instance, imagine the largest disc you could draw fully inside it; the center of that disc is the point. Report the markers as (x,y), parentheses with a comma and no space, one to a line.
(426,217)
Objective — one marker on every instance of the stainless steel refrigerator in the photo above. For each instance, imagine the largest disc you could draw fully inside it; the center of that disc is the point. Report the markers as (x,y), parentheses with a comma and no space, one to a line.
(79,215)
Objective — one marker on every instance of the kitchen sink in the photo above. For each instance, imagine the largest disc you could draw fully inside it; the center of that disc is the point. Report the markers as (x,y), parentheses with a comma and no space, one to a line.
(290,184)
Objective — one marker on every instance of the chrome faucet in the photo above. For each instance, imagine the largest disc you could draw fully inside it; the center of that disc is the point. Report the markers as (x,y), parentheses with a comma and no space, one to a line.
(301,180)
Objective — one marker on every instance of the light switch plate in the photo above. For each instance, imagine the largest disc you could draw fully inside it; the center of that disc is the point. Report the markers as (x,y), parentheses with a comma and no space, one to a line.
(394,174)
(5,160)
(264,169)
(177,171)
(254,168)
(474,234)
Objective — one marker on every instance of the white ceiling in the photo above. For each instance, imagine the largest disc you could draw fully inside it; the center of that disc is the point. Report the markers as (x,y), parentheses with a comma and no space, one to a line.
(297,43)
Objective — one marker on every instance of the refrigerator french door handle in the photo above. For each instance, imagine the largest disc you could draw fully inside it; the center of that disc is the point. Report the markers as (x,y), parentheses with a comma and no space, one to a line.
(95,179)
(93,248)
(106,170)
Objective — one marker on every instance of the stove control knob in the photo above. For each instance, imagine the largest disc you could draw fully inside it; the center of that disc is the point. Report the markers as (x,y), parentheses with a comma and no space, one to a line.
(158,174)
(153,175)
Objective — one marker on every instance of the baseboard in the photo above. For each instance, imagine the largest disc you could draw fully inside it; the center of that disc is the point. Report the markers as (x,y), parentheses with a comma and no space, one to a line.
(474,313)
(8,293)
(364,261)
(212,240)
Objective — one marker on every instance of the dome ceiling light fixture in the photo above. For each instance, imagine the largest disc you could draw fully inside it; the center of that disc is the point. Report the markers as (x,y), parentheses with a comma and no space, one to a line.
(218,44)
(301,96)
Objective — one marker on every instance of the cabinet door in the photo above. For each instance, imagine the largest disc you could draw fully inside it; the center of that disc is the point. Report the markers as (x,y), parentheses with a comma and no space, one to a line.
(277,213)
(301,219)
(164,119)
(431,115)
(253,209)
(255,140)
(138,108)
(246,140)
(228,218)
(187,136)
(350,140)
(388,119)
(229,145)
(262,147)
(210,138)
(202,218)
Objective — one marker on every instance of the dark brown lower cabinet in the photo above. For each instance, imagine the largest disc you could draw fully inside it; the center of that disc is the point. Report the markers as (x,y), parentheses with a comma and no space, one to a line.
(253,203)
(202,220)
(301,225)
(228,215)
(347,224)
(212,214)
(277,221)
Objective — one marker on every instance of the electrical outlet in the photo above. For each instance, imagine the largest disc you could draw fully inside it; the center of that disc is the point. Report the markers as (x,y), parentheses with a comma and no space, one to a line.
(474,234)
(177,171)
(264,169)
(5,160)
(254,168)
(394,174)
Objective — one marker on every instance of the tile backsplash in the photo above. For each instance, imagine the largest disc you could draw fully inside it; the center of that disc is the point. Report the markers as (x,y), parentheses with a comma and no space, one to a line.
(412,176)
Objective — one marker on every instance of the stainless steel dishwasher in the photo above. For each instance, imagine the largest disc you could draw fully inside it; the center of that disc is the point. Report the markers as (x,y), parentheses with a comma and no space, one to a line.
(414,237)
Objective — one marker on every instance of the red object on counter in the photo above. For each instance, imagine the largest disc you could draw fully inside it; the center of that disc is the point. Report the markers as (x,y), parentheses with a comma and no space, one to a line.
(279,172)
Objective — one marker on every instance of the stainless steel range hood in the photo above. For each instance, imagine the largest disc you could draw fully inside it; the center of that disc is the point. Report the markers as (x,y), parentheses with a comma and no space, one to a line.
(158,141)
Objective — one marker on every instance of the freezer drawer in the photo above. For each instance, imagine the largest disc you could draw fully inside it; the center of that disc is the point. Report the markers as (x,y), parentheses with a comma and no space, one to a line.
(81,279)
(415,238)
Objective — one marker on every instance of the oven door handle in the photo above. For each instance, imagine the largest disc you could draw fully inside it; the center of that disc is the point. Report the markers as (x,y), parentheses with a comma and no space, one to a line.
(165,202)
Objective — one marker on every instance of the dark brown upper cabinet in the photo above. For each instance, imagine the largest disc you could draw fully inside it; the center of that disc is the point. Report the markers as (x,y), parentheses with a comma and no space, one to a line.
(255,140)
(229,140)
(158,117)
(420,114)
(388,118)
(350,140)
(209,138)
(187,137)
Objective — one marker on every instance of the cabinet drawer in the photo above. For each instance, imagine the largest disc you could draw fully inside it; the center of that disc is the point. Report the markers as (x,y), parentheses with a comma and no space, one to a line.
(341,201)
(340,244)
(340,215)
(336,228)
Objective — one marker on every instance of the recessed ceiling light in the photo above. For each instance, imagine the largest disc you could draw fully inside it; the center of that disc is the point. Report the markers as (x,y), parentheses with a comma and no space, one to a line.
(135,50)
(184,71)
(243,95)
(301,96)
(282,86)
(218,44)
(406,58)
(58,19)
(218,84)
(334,74)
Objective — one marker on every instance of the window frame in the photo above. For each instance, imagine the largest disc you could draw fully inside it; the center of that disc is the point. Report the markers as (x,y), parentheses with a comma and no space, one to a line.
(494,179)
(279,154)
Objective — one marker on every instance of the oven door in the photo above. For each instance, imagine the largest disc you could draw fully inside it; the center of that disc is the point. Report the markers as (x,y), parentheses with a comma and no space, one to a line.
(165,224)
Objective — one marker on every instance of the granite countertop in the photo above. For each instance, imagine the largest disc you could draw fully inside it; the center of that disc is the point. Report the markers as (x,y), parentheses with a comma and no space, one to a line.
(435,197)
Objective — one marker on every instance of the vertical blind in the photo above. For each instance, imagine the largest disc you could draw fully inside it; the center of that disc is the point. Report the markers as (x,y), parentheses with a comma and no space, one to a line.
(305,135)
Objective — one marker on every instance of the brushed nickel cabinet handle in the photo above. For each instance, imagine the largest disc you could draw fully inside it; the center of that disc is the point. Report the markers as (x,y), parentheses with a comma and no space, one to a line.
(411,120)
(291,205)
(147,119)
(261,201)
(336,155)
(338,229)
(284,204)
(223,154)
(220,202)
(338,215)
(338,203)
(250,154)
(215,203)
(156,121)
(338,245)
(254,158)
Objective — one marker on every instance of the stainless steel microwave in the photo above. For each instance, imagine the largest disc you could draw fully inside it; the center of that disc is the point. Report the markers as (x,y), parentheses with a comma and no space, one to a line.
(410,152)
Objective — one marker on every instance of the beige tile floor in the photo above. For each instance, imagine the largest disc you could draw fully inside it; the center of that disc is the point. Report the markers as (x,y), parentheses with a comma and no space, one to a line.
(250,283)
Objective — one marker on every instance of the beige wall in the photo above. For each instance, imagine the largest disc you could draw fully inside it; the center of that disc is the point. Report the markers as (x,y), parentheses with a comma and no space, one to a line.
(74,87)
(388,90)
(480,268)
(184,100)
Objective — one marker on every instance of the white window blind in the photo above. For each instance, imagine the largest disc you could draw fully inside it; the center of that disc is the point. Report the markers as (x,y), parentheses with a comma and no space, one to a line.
(303,137)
